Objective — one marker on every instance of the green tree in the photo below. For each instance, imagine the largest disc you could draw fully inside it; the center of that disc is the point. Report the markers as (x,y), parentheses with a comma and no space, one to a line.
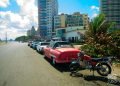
(22,38)
(116,39)
(99,41)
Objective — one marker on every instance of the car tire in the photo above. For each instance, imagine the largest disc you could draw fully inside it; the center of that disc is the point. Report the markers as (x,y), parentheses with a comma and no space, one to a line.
(53,62)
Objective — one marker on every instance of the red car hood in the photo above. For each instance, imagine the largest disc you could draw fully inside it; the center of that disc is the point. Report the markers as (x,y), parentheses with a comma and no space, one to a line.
(67,50)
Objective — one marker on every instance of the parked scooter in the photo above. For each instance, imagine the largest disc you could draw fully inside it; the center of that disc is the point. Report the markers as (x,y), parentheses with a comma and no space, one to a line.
(101,65)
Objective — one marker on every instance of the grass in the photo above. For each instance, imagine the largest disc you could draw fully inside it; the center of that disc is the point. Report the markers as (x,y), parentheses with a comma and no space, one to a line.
(2,43)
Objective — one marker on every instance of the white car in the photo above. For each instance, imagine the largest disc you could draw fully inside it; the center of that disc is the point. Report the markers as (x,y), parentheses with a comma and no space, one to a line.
(41,46)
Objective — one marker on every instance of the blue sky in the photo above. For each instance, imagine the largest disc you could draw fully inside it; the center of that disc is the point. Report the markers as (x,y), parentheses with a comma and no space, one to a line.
(17,16)
(82,6)
(65,6)
(11,7)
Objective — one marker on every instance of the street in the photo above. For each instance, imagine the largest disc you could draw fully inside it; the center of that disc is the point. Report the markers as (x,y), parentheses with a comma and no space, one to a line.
(22,66)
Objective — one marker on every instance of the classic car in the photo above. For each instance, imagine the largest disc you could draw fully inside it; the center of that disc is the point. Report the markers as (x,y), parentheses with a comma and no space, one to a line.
(60,52)
(41,46)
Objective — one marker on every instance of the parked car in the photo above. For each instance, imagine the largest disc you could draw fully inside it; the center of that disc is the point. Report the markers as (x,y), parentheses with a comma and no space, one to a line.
(61,52)
(34,45)
(41,46)
(29,43)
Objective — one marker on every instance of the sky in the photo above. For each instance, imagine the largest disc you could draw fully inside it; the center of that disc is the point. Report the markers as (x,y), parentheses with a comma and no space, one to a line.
(18,16)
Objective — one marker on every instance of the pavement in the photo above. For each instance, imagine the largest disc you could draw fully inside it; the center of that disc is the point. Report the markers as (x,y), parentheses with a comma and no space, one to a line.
(22,66)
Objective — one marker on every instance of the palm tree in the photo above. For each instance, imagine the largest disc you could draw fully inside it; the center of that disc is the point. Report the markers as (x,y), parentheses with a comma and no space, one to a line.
(98,25)
(98,39)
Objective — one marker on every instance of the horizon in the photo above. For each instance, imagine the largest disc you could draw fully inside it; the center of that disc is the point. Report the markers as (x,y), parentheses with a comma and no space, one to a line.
(18,16)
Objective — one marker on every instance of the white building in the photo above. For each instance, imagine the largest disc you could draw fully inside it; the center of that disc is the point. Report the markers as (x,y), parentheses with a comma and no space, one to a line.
(75,34)
(72,34)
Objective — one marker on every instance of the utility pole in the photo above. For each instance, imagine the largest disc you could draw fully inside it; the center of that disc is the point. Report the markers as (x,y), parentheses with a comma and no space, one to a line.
(6,37)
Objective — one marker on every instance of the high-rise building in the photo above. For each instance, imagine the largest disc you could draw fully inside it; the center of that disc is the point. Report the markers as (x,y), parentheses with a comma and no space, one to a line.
(111,9)
(31,32)
(47,9)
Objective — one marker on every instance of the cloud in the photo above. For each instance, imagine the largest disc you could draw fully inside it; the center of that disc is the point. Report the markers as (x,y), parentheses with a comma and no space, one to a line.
(94,15)
(94,8)
(17,24)
(14,23)
(4,3)
(29,9)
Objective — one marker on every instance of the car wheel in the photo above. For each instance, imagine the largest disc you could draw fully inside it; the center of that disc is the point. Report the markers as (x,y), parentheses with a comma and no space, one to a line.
(45,57)
(54,62)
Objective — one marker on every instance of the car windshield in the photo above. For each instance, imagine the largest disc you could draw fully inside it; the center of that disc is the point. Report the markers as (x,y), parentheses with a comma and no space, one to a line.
(36,42)
(64,45)
(44,43)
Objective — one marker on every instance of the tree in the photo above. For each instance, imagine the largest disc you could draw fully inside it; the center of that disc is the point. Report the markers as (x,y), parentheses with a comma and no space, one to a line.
(22,38)
(99,41)
(116,39)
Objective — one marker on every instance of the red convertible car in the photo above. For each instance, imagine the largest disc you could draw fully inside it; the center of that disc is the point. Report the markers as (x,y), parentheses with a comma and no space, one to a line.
(61,52)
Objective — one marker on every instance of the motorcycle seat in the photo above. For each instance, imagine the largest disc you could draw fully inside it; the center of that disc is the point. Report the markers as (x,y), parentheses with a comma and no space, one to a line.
(99,59)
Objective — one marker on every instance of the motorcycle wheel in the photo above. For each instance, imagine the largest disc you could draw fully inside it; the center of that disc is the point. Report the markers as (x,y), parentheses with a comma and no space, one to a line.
(104,69)
(74,67)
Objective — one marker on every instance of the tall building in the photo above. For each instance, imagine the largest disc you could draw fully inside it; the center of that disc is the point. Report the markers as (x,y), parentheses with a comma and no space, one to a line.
(111,9)
(47,9)
(31,32)
(76,19)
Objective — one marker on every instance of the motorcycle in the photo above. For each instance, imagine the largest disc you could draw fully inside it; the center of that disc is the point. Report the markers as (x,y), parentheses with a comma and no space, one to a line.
(103,66)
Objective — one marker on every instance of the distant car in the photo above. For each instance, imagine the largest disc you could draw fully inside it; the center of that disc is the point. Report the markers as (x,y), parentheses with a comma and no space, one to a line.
(29,43)
(41,46)
(61,52)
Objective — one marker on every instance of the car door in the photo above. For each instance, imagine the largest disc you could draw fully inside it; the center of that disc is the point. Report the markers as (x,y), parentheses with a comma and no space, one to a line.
(47,51)
(38,46)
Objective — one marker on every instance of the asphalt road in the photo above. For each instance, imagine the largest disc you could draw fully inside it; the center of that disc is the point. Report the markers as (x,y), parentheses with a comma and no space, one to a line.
(22,66)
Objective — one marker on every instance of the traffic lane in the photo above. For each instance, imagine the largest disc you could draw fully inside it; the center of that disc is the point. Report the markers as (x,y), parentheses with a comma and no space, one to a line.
(22,66)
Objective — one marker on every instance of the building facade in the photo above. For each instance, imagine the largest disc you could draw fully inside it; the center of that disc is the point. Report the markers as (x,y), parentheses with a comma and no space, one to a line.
(60,21)
(111,9)
(31,32)
(28,32)
(71,34)
(75,33)
(76,19)
(47,9)
(60,32)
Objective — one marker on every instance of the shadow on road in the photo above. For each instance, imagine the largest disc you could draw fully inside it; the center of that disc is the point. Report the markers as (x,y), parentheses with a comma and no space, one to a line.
(59,67)
(65,68)
(98,78)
